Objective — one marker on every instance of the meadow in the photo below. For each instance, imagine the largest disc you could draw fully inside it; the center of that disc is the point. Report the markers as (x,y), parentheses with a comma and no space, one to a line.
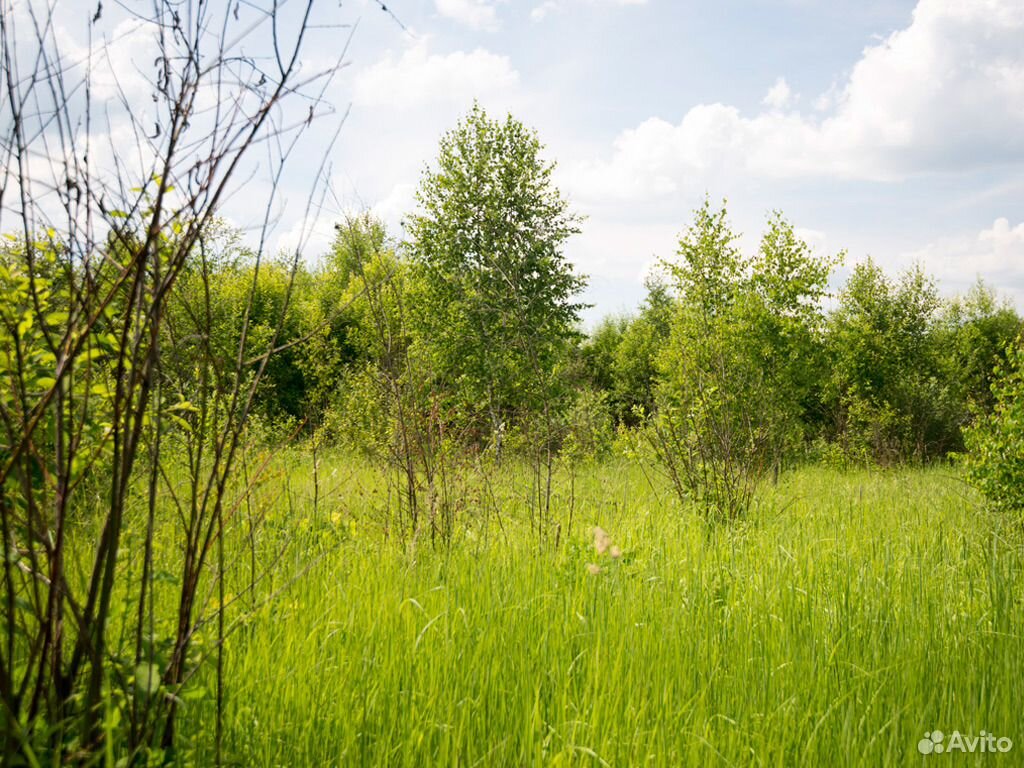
(850,614)
(295,470)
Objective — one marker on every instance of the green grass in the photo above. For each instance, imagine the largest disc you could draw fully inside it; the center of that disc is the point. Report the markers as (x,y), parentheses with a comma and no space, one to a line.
(852,613)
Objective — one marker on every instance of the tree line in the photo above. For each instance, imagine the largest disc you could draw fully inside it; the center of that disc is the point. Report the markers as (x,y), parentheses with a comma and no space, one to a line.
(737,364)
(465,337)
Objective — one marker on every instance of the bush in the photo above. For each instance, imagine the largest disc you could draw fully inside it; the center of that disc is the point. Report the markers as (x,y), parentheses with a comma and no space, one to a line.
(739,370)
(995,442)
(890,397)
(589,429)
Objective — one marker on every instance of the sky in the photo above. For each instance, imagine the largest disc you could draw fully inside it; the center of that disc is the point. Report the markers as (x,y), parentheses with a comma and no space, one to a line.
(890,128)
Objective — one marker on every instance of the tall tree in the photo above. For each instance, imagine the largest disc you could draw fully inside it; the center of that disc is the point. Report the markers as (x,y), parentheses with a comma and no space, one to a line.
(497,304)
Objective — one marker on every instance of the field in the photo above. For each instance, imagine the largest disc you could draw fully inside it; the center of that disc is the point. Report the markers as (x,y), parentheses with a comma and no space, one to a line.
(458,393)
(850,615)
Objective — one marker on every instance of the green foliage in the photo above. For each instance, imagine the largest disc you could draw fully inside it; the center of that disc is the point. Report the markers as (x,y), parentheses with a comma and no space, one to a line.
(599,351)
(33,312)
(259,306)
(975,331)
(589,427)
(890,398)
(619,357)
(635,369)
(784,328)
(374,287)
(364,281)
(369,279)
(995,441)
(493,297)
(736,369)
(36,280)
(358,418)
(741,366)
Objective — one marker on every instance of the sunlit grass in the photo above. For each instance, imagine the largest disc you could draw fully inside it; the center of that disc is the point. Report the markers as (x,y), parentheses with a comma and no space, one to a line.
(851,614)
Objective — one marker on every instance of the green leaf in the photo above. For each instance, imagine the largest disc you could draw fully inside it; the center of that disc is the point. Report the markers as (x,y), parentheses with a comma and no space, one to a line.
(147,679)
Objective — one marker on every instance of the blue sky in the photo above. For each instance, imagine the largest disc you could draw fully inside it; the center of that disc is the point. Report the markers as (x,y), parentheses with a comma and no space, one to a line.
(894,129)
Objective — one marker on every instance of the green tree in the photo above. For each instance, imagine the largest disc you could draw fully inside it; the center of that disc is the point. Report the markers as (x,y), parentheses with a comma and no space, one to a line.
(598,354)
(364,273)
(258,305)
(619,358)
(495,306)
(891,400)
(976,330)
(738,371)
(634,371)
(784,329)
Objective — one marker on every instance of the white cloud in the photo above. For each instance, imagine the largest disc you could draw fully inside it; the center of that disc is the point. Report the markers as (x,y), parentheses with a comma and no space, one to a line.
(476,14)
(622,250)
(813,237)
(120,64)
(397,204)
(418,77)
(946,93)
(779,96)
(117,67)
(312,238)
(995,254)
(542,10)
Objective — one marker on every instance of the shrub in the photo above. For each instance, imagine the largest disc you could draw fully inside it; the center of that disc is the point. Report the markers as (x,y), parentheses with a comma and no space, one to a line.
(995,441)
(738,370)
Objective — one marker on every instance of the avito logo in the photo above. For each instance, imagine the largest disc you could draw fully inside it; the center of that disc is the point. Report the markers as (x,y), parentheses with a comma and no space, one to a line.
(935,743)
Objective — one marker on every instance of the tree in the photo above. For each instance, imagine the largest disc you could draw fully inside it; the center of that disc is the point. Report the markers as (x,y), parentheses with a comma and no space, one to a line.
(619,358)
(382,408)
(890,398)
(737,371)
(785,326)
(495,304)
(632,370)
(599,351)
(976,331)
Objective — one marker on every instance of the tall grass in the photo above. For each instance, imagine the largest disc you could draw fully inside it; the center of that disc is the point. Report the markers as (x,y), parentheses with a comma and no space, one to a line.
(850,615)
